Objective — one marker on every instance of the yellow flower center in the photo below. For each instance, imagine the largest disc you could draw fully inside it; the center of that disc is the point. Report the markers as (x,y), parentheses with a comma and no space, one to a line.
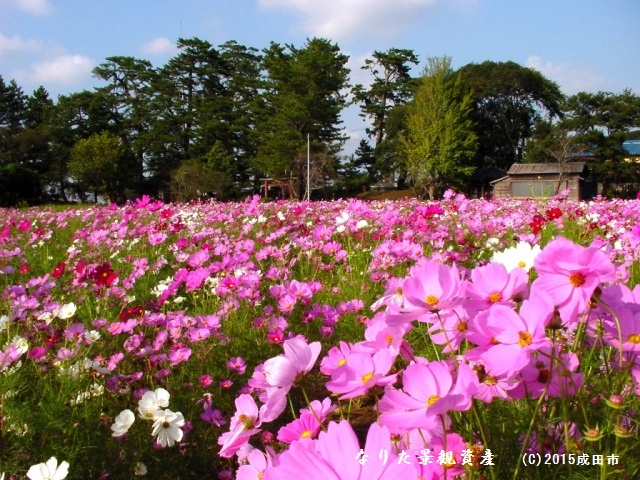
(462,327)
(389,339)
(522,264)
(495,297)
(367,377)
(305,434)
(489,380)
(576,279)
(247,422)
(431,300)
(342,361)
(399,292)
(432,399)
(525,339)
(634,338)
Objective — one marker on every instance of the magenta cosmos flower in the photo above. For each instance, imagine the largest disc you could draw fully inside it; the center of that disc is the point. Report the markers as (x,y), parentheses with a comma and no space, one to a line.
(570,273)
(336,455)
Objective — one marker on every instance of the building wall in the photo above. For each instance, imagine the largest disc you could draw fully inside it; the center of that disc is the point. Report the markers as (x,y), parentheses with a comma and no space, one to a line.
(502,188)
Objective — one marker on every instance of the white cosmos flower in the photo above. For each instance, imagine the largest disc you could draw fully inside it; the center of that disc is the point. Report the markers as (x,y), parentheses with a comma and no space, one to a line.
(140,469)
(92,335)
(49,470)
(166,427)
(522,255)
(67,310)
(151,403)
(122,423)
(20,343)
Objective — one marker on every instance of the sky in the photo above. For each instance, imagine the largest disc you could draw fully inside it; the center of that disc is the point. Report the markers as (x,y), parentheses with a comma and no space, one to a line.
(583,45)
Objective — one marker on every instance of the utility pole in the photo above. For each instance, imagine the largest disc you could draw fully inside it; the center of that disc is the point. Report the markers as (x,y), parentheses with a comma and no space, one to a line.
(308,169)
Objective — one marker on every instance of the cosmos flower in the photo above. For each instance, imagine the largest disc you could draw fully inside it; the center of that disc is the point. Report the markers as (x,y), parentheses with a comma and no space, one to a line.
(334,456)
(49,470)
(122,423)
(151,403)
(521,256)
(166,427)
(570,273)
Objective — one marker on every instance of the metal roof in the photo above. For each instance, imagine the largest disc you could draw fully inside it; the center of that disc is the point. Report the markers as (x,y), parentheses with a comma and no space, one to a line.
(541,168)
(632,147)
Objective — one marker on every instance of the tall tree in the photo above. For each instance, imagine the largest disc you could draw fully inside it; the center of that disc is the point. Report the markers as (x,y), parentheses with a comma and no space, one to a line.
(601,123)
(186,95)
(304,96)
(508,100)
(21,147)
(129,85)
(439,139)
(391,86)
(76,117)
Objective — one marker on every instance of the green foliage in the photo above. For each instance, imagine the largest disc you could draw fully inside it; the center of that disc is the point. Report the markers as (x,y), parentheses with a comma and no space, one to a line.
(508,100)
(304,96)
(439,139)
(601,122)
(99,165)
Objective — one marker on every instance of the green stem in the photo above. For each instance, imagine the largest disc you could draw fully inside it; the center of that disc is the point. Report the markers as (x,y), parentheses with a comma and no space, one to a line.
(474,409)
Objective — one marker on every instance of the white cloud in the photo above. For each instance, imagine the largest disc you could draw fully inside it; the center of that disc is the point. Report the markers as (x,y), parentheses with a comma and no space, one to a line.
(35,7)
(16,44)
(572,77)
(159,46)
(65,70)
(341,19)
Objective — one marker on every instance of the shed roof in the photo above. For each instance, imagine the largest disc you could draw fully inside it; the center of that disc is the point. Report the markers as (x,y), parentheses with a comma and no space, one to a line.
(541,168)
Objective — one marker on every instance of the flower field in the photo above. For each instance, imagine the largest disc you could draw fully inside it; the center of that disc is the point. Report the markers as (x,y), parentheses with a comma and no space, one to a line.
(327,340)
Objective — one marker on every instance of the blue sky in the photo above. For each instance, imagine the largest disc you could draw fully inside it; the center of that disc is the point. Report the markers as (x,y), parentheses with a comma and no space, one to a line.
(583,45)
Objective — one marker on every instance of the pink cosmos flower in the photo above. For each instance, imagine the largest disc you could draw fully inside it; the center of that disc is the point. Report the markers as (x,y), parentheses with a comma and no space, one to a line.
(244,423)
(428,390)
(628,338)
(361,372)
(257,463)
(299,357)
(336,455)
(237,364)
(550,373)
(336,358)
(515,336)
(570,273)
(305,426)
(430,288)
(491,284)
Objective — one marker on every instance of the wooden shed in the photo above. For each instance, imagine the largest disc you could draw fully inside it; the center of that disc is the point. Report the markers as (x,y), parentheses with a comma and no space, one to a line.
(540,180)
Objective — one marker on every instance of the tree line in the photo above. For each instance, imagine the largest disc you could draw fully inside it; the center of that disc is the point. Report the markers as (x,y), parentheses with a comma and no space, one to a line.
(216,121)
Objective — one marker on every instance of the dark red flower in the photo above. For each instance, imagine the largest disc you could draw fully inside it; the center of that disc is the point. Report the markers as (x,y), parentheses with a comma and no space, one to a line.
(537,223)
(58,270)
(131,312)
(103,275)
(553,213)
